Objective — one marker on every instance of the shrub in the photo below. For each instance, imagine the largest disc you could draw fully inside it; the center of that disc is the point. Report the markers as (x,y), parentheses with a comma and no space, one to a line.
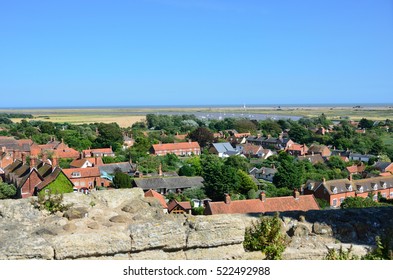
(266,236)
(383,250)
(340,254)
(51,202)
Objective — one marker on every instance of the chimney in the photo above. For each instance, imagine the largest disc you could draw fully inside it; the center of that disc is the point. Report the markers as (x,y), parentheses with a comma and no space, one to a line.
(324,180)
(350,177)
(3,149)
(262,196)
(189,141)
(55,162)
(23,158)
(227,199)
(95,161)
(33,162)
(44,157)
(296,194)
(160,170)
(258,135)
(13,155)
(81,155)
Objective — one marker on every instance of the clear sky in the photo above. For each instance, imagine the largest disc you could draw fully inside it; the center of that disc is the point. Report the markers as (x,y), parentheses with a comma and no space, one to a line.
(195,52)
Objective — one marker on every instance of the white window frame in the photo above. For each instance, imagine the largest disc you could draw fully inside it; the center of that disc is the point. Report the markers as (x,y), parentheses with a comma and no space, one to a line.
(334,202)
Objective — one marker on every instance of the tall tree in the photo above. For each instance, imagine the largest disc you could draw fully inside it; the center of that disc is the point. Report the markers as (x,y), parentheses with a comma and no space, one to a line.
(289,174)
(202,135)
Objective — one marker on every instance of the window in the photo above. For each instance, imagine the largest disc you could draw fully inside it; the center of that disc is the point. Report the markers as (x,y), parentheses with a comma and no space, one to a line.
(350,188)
(361,189)
(375,186)
(384,185)
(341,199)
(384,195)
(75,174)
(391,195)
(375,197)
(334,202)
(335,190)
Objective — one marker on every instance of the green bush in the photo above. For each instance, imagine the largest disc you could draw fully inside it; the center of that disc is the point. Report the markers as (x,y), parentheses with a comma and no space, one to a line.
(7,190)
(266,236)
(50,202)
(384,248)
(341,254)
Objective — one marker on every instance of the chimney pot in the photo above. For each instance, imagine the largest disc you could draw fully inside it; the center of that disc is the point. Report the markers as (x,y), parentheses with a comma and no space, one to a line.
(296,194)
(227,199)
(262,196)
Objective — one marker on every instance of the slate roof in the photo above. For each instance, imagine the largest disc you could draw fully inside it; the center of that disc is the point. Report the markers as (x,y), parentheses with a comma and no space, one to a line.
(78,163)
(274,204)
(382,165)
(169,183)
(314,159)
(224,147)
(125,167)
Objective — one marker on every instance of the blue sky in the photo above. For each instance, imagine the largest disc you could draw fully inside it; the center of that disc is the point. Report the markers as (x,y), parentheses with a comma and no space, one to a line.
(195,52)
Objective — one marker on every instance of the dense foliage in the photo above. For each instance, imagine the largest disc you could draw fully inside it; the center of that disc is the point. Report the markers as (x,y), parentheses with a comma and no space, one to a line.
(266,236)
(7,190)
(121,180)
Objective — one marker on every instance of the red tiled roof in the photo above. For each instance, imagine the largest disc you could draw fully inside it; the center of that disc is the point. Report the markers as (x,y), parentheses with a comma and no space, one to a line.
(297,147)
(160,197)
(103,150)
(186,205)
(66,153)
(384,174)
(78,163)
(84,172)
(274,204)
(251,149)
(176,146)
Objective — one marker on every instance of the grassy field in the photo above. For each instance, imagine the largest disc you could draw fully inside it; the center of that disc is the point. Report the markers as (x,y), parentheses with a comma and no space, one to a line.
(122,120)
(127,116)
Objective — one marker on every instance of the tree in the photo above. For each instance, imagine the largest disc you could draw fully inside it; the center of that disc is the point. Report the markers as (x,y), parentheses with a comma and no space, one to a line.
(237,162)
(358,202)
(336,162)
(110,135)
(289,174)
(7,190)
(202,135)
(218,178)
(187,170)
(121,180)
(245,183)
(365,123)
(244,125)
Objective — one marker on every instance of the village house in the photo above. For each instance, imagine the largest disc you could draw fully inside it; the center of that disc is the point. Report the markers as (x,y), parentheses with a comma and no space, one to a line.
(85,179)
(356,168)
(166,185)
(176,207)
(179,149)
(264,173)
(314,159)
(128,142)
(335,191)
(86,162)
(296,149)
(159,197)
(57,149)
(254,151)
(323,150)
(29,179)
(279,143)
(102,152)
(296,202)
(223,150)
(360,157)
(383,166)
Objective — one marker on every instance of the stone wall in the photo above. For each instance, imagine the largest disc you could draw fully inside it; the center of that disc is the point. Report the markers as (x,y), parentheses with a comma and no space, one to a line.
(122,224)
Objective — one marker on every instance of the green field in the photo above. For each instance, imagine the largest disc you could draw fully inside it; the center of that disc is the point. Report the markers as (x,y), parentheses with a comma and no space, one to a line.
(127,116)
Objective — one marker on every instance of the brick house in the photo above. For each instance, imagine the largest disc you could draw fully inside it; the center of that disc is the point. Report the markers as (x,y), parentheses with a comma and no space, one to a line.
(296,202)
(296,149)
(159,197)
(84,178)
(31,178)
(323,150)
(384,167)
(176,207)
(103,152)
(335,191)
(179,149)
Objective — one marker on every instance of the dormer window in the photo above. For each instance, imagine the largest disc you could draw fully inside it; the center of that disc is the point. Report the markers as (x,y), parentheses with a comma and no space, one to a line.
(334,190)
(350,188)
(384,185)
(361,189)
(75,174)
(375,186)
(310,186)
